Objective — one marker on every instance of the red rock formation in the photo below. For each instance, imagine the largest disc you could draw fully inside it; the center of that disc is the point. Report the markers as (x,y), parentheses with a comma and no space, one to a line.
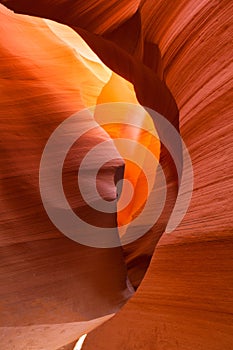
(114,49)
(44,275)
(96,16)
(186,298)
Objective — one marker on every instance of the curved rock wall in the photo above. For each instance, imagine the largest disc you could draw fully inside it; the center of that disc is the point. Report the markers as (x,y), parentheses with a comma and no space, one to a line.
(178,55)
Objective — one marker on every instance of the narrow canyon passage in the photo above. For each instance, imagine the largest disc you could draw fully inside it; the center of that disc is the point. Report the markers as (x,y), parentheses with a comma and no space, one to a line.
(174,58)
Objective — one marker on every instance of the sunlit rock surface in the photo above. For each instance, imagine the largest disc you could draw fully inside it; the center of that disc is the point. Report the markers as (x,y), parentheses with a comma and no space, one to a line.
(178,55)
(50,284)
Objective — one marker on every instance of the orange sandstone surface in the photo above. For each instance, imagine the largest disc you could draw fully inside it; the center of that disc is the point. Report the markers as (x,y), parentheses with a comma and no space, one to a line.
(176,58)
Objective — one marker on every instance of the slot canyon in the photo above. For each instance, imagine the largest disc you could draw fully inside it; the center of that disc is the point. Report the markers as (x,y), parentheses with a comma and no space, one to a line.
(116,175)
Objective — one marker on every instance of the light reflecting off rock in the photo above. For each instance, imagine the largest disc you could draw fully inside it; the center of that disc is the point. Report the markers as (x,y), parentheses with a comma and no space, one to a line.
(79,343)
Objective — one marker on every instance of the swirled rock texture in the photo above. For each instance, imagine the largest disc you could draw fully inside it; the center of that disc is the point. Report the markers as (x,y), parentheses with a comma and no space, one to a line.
(178,55)
(186,298)
(122,47)
(46,294)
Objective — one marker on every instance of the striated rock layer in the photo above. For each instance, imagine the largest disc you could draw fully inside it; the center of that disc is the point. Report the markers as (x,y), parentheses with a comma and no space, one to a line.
(126,52)
(186,299)
(178,55)
(50,284)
